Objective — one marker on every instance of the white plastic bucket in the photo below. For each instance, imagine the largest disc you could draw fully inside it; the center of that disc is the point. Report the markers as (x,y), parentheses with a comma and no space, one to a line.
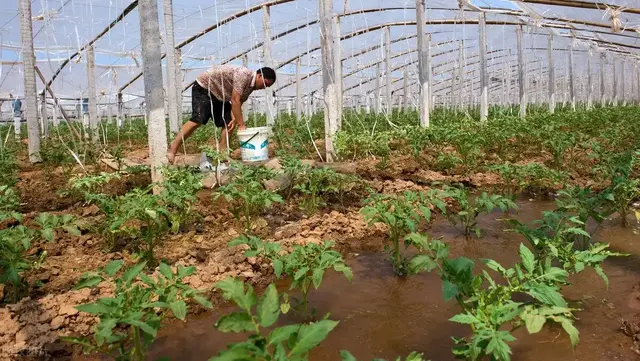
(254,144)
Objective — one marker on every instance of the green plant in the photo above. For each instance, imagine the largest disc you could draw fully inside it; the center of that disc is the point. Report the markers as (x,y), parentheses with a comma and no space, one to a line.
(414,356)
(316,184)
(9,203)
(586,204)
(130,320)
(554,236)
(8,166)
(246,193)
(467,211)
(624,188)
(305,265)
(17,258)
(287,343)
(488,306)
(402,214)
(507,172)
(140,215)
(536,178)
(179,189)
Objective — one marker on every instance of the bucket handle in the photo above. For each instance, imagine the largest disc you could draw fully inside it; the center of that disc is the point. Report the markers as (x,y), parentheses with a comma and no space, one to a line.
(248,140)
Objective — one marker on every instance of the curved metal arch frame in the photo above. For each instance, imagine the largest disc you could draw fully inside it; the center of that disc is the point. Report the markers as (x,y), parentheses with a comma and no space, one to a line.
(562,3)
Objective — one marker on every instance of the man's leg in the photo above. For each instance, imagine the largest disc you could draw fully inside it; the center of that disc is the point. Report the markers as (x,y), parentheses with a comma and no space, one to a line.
(187,129)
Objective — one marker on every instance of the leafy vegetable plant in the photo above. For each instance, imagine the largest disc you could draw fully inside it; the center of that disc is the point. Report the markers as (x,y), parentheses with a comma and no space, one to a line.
(402,214)
(414,356)
(179,190)
(246,193)
(287,343)
(129,321)
(305,265)
(17,258)
(488,306)
(467,211)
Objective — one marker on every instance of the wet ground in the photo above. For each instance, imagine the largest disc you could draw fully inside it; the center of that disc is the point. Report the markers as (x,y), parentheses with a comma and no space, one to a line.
(384,316)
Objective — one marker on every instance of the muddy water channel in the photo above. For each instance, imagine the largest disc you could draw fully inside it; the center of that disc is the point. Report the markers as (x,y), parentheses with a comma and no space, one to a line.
(384,316)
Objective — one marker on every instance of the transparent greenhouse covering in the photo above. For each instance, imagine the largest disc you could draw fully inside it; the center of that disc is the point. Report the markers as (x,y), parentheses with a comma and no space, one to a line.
(604,38)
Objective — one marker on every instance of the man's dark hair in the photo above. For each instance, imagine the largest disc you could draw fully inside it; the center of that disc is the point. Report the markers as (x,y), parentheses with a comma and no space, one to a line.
(268,73)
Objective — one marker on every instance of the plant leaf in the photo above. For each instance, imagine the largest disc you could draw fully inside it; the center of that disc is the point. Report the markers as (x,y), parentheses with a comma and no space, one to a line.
(130,274)
(179,309)
(528,258)
(235,322)
(347,356)
(268,308)
(309,336)
(113,267)
(282,334)
(93,308)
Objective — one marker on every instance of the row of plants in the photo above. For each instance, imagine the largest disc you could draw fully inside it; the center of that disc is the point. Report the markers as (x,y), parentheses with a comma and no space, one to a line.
(489,297)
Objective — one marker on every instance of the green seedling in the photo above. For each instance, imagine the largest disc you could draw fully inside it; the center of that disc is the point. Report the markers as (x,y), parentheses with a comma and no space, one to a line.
(554,237)
(305,265)
(414,356)
(488,306)
(286,343)
(18,259)
(246,193)
(179,189)
(129,321)
(467,211)
(402,214)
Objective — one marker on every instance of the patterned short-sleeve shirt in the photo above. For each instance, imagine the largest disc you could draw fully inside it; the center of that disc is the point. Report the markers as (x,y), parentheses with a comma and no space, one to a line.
(224,79)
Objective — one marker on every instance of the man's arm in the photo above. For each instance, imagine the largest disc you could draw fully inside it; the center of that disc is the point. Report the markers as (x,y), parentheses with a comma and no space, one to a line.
(236,109)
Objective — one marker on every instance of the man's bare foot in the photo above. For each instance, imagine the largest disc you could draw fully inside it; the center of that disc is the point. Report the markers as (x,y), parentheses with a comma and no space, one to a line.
(171,157)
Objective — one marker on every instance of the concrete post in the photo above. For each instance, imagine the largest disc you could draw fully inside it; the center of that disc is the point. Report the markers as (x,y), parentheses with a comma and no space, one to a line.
(91,93)
(377,105)
(154,103)
(423,65)
(337,57)
(405,89)
(484,81)
(328,76)
(589,82)
(616,95)
(30,89)
(552,77)
(572,79)
(460,82)
(521,73)
(298,89)
(172,64)
(44,115)
(388,69)
(268,61)
(603,90)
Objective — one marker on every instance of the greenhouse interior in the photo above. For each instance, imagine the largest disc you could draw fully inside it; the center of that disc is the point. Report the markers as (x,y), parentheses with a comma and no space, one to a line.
(270,180)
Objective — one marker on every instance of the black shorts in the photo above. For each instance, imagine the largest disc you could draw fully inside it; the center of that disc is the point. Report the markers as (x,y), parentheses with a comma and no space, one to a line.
(205,106)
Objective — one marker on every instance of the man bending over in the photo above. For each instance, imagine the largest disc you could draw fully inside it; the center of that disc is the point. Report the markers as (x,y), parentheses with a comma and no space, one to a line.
(219,94)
